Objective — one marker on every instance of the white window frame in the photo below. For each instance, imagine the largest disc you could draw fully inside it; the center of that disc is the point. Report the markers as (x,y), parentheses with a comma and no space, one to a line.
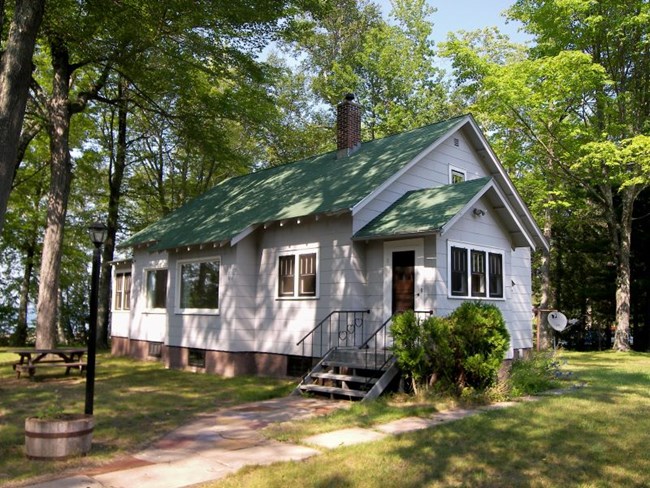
(452,170)
(117,273)
(296,276)
(145,272)
(177,288)
(487,250)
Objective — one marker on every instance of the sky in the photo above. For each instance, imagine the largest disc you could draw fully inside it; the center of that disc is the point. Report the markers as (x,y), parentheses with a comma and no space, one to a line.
(468,15)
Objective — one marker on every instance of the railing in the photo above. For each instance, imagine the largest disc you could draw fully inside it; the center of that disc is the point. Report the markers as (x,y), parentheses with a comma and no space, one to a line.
(341,328)
(380,342)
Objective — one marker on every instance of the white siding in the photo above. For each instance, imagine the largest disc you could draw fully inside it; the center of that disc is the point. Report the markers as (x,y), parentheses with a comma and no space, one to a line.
(120,319)
(520,301)
(429,172)
(147,325)
(281,323)
(228,330)
(487,232)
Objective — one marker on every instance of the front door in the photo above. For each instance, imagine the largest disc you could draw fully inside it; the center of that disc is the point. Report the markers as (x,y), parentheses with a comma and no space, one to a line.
(403,281)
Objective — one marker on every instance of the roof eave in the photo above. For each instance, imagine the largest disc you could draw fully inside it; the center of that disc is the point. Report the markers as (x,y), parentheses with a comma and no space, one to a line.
(398,235)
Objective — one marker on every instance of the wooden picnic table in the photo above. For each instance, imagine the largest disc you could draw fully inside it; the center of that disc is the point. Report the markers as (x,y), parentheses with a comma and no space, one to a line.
(67,357)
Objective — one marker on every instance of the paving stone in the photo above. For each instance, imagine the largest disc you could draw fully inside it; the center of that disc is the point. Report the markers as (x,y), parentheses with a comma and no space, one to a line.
(73,482)
(408,424)
(345,437)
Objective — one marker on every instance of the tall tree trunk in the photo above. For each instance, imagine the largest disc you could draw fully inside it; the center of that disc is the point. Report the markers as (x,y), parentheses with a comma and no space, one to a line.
(15,73)
(546,302)
(61,169)
(19,337)
(116,177)
(623,273)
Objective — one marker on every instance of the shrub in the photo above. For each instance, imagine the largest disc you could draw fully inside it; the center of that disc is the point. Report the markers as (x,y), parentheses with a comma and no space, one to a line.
(532,375)
(408,347)
(463,350)
(481,341)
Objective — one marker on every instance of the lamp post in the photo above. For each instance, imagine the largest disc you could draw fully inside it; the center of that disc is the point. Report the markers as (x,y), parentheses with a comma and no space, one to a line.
(98,232)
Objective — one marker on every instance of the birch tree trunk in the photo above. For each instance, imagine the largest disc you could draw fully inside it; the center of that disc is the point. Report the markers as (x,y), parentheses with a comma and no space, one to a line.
(15,73)
(57,205)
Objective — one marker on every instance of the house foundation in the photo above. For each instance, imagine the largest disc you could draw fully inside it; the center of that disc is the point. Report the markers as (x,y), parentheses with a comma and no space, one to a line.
(223,363)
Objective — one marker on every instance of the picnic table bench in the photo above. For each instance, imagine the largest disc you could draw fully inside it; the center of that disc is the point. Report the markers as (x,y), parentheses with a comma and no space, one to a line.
(31,359)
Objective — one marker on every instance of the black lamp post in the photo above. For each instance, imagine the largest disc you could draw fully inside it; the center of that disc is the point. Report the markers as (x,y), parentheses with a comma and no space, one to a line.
(98,232)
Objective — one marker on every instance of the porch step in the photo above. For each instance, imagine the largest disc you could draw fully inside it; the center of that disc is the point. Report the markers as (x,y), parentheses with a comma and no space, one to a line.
(345,377)
(368,372)
(331,390)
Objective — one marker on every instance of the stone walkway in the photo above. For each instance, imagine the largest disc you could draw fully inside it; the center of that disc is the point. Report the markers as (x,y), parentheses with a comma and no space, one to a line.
(216,445)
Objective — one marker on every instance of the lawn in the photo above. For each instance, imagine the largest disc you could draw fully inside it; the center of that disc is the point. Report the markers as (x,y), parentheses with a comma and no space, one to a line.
(595,436)
(135,402)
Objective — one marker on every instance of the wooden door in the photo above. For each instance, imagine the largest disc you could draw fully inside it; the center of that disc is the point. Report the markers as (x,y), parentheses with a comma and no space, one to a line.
(403,281)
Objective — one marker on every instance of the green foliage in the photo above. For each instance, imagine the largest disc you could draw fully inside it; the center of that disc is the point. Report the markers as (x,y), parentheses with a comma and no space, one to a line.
(480,341)
(408,347)
(532,375)
(465,349)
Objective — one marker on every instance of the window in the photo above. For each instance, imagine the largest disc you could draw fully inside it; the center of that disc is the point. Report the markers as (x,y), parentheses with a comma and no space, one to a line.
(458,271)
(196,358)
(287,275)
(199,285)
(307,275)
(456,175)
(155,349)
(122,299)
(478,273)
(300,284)
(480,268)
(156,288)
(496,275)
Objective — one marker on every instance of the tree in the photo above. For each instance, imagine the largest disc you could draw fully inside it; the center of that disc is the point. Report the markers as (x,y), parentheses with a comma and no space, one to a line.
(15,72)
(580,105)
(615,165)
(388,65)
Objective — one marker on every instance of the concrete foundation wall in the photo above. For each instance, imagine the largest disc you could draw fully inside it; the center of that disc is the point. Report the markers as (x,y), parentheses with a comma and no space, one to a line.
(223,363)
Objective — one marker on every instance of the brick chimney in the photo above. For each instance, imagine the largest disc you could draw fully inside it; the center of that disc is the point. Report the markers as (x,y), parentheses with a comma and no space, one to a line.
(348,126)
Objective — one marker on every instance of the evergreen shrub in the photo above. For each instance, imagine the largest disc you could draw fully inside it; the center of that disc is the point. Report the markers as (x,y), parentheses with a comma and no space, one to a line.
(463,350)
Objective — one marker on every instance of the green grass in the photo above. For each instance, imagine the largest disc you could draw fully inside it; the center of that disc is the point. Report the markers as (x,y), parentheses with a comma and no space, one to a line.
(596,436)
(135,403)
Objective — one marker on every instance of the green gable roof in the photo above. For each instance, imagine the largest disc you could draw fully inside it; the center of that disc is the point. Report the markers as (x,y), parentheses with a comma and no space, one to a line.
(321,184)
(422,211)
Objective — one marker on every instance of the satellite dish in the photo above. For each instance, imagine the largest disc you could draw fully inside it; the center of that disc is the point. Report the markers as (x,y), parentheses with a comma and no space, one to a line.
(557,320)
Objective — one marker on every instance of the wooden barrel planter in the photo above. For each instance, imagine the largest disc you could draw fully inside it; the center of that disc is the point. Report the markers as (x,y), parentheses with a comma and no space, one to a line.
(59,438)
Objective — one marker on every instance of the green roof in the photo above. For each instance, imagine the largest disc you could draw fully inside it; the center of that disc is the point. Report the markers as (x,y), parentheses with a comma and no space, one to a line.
(320,184)
(422,211)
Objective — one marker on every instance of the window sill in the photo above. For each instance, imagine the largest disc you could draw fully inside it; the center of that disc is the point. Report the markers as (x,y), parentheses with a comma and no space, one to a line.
(156,311)
(492,299)
(295,299)
(196,311)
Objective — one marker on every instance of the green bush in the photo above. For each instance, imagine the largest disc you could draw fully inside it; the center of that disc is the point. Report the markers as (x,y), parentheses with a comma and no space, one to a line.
(465,349)
(482,340)
(533,375)
(409,348)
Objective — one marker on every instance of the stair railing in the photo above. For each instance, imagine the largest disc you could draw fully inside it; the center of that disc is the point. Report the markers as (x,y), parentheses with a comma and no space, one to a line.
(341,328)
(380,342)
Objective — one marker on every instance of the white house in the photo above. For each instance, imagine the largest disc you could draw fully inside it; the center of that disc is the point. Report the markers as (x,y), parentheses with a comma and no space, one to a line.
(232,281)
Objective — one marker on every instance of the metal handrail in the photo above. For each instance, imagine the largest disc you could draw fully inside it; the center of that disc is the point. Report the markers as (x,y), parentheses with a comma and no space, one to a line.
(344,335)
(386,322)
(380,346)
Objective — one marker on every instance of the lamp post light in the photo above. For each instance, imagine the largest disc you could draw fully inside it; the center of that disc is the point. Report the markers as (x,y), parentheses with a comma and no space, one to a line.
(98,232)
